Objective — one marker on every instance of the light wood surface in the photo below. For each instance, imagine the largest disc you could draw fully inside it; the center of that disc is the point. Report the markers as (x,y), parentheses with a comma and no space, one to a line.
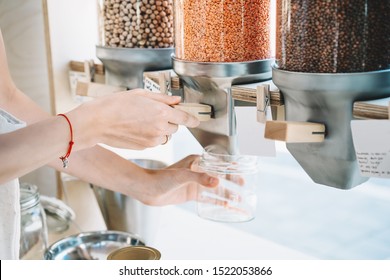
(294,132)
(200,111)
(361,109)
(23,29)
(96,89)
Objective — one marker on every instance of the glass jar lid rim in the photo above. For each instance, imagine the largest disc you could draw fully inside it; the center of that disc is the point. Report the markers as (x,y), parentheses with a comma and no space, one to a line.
(29,196)
(228,164)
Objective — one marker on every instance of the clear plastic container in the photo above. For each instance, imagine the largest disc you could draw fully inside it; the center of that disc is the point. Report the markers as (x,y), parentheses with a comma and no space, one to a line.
(33,231)
(234,199)
(136,23)
(222,30)
(340,36)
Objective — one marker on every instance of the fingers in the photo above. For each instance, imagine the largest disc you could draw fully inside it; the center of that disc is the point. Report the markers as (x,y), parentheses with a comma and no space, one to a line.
(180,117)
(164,98)
(203,179)
(176,116)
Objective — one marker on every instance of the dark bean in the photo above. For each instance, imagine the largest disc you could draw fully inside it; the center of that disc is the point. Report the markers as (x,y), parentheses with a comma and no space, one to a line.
(333,36)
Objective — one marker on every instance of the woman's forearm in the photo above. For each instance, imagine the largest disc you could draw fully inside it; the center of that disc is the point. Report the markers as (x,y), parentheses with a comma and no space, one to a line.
(102,167)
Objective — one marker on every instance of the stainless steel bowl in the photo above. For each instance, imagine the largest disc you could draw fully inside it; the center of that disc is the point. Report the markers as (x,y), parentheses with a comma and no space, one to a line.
(95,245)
(125,213)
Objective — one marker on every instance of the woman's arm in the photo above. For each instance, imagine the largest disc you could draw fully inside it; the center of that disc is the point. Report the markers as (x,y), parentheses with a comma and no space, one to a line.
(134,120)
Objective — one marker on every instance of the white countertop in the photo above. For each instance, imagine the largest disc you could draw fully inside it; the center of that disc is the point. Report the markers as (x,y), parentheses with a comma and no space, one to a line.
(183,235)
(179,233)
(295,219)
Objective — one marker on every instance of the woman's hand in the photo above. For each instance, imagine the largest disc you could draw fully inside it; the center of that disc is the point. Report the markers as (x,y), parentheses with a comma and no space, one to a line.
(135,119)
(175,184)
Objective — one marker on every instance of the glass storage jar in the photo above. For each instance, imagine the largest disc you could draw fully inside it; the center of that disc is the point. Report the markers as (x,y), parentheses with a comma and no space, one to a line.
(222,30)
(136,23)
(338,36)
(234,199)
(33,230)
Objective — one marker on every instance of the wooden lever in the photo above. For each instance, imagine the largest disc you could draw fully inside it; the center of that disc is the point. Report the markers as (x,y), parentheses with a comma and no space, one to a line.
(201,111)
(294,132)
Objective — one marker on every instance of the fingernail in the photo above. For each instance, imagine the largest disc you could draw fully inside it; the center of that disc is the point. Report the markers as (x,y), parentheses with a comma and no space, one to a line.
(213,181)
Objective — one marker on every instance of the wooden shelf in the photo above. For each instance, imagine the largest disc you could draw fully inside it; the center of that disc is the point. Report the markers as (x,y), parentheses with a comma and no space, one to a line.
(376,109)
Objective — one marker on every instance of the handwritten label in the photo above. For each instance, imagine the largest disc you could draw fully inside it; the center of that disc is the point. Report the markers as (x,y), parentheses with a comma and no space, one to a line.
(74,77)
(371,140)
(150,85)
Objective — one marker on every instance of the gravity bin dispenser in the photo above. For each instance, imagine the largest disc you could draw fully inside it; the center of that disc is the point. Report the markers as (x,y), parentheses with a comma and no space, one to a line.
(219,44)
(330,54)
(136,36)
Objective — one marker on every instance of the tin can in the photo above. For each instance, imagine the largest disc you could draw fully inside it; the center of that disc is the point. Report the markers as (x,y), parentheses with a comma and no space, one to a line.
(135,253)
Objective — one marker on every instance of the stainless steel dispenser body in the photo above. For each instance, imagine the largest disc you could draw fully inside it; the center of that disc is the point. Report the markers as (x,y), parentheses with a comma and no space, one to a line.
(210,83)
(125,66)
(136,36)
(330,54)
(328,99)
(219,44)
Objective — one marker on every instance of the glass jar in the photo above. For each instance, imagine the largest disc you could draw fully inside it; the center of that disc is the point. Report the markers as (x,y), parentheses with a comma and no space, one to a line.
(222,30)
(234,199)
(33,230)
(137,23)
(338,36)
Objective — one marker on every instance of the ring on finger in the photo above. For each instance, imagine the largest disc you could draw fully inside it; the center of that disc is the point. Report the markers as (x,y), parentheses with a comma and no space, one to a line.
(167,138)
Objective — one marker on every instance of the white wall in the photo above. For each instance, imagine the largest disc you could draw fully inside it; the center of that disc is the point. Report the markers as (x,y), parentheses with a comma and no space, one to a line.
(74,30)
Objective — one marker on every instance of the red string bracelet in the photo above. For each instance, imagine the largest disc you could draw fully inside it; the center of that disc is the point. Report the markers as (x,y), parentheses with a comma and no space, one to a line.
(65,157)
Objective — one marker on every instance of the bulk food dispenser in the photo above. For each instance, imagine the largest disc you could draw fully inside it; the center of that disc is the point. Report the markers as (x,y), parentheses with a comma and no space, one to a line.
(219,44)
(136,36)
(330,54)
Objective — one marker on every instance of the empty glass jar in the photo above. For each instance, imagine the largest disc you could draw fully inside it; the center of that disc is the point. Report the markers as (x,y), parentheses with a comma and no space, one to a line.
(33,231)
(222,30)
(338,36)
(234,199)
(137,23)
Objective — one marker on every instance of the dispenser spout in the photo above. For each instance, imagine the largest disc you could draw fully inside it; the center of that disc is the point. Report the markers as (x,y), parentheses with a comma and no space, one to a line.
(210,83)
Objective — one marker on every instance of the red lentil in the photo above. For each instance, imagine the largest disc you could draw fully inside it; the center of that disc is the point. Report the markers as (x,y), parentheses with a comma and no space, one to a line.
(222,30)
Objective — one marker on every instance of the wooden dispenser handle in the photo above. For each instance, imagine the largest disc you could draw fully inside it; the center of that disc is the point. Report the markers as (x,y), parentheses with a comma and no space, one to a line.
(295,132)
(201,111)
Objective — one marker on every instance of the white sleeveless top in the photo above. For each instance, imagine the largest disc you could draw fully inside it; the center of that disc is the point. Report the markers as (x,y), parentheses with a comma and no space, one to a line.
(9,201)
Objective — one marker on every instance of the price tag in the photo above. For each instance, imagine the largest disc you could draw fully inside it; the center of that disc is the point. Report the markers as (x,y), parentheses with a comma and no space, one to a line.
(371,140)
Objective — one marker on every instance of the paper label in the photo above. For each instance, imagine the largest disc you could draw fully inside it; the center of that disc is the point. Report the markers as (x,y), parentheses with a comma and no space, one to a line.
(150,85)
(74,77)
(250,133)
(371,140)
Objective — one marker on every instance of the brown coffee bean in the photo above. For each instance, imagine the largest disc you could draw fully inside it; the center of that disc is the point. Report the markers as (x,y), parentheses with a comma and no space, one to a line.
(338,36)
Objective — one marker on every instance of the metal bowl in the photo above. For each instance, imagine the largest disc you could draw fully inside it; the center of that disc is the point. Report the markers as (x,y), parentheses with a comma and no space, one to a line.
(125,213)
(96,245)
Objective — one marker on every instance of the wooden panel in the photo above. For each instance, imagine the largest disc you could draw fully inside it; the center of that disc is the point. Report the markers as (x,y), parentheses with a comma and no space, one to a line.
(22,27)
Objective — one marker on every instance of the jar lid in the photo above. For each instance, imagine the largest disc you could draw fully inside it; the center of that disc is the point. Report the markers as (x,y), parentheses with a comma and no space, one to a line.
(135,253)
(58,214)
(29,196)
